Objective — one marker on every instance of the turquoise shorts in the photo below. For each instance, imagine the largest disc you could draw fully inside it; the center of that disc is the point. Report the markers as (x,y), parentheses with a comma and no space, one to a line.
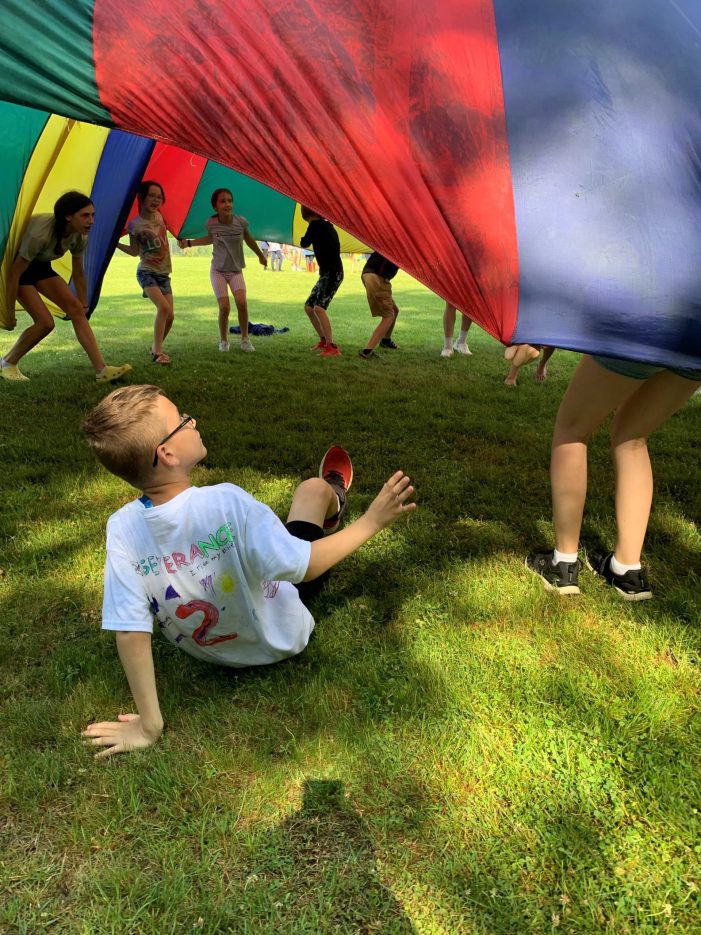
(637,371)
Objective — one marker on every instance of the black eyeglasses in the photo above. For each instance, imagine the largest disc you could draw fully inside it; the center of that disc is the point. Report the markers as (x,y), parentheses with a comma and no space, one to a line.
(186,420)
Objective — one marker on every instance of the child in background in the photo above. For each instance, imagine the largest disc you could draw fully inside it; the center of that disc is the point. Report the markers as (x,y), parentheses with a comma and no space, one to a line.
(376,277)
(449,327)
(322,237)
(148,239)
(227,232)
(47,238)
(224,579)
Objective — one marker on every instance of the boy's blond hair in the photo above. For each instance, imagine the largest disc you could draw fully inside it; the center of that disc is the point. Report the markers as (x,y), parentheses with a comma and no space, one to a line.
(123,432)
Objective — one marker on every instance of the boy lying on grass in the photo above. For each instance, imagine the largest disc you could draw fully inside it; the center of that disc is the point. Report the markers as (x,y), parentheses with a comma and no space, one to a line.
(221,575)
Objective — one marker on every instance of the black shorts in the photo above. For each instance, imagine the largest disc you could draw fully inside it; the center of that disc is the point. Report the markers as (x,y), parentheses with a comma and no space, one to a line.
(36,271)
(310,532)
(325,289)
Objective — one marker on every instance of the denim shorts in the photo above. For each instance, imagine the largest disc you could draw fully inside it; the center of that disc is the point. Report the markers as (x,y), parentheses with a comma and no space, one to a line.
(146,278)
(638,371)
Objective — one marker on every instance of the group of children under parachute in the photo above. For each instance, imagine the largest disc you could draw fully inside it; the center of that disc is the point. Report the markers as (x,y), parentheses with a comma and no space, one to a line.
(217,570)
(49,236)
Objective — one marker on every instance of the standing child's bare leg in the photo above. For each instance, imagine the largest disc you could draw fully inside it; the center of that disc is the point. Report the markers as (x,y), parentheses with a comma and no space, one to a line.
(242,311)
(541,370)
(448,329)
(224,310)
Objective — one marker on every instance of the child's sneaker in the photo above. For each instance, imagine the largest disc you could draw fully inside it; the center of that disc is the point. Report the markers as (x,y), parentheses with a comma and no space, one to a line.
(633,585)
(462,349)
(563,577)
(110,374)
(319,346)
(367,353)
(331,350)
(13,373)
(447,352)
(223,346)
(247,346)
(389,343)
(337,470)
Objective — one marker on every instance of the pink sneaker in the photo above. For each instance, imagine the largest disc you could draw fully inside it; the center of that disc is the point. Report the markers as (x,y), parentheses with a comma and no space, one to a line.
(319,346)
(331,350)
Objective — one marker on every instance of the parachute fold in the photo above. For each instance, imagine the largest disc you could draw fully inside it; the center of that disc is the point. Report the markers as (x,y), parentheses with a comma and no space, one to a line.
(536,164)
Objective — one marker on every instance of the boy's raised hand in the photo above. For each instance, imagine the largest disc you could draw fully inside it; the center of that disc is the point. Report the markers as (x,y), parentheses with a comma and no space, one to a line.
(391,501)
(121,736)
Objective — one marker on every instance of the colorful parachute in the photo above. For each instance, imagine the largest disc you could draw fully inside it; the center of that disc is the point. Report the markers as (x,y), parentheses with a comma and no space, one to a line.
(43,155)
(537,164)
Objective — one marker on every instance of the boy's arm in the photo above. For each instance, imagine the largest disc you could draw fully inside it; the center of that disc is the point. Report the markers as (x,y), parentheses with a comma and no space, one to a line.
(306,240)
(132,731)
(387,506)
(252,243)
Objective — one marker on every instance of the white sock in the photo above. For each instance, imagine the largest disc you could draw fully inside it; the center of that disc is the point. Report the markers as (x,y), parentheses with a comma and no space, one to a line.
(463,337)
(447,342)
(618,568)
(569,557)
(4,364)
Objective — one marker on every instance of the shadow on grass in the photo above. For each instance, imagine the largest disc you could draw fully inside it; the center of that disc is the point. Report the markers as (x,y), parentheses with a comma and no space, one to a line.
(317,871)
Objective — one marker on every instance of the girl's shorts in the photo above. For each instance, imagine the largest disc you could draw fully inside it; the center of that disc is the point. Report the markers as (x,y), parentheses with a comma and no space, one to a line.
(219,282)
(147,278)
(638,371)
(36,272)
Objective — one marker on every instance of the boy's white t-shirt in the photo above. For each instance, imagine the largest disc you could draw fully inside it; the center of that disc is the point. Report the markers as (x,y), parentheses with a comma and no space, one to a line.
(213,567)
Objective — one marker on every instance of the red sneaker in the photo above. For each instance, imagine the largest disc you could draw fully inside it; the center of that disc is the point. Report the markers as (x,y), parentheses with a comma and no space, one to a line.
(337,470)
(319,346)
(331,350)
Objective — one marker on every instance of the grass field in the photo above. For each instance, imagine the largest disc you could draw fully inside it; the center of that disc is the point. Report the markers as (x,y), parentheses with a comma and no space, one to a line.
(455,752)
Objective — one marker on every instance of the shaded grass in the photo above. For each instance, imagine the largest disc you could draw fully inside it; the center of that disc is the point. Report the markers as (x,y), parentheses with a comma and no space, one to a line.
(456,751)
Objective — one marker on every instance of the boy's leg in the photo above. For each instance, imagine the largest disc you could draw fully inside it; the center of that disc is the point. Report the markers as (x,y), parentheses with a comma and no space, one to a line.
(318,504)
(314,501)
(325,329)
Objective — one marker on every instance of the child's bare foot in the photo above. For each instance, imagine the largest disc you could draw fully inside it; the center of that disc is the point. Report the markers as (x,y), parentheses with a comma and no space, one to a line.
(540,374)
(512,376)
(520,354)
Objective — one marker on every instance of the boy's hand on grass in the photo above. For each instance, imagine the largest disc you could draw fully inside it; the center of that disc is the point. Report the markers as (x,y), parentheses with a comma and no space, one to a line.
(391,501)
(121,736)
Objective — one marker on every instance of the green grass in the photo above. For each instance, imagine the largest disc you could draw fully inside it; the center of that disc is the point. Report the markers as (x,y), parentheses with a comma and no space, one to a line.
(455,752)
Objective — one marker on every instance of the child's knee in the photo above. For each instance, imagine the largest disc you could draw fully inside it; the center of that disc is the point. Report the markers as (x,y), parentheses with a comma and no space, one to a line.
(314,486)
(45,325)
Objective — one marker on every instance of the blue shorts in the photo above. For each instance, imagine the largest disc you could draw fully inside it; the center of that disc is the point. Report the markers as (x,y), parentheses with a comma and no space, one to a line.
(638,371)
(325,289)
(146,278)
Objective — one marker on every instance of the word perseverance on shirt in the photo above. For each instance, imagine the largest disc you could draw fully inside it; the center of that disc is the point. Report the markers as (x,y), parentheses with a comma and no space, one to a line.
(196,550)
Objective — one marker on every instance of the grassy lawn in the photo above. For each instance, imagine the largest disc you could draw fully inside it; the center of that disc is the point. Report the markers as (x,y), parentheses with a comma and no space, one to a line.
(455,752)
